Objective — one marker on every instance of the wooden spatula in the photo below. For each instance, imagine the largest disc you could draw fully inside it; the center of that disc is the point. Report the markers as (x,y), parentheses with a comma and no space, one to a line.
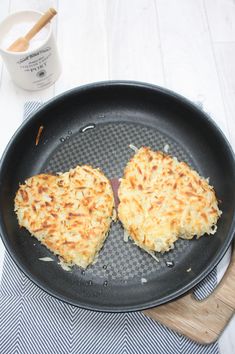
(22,43)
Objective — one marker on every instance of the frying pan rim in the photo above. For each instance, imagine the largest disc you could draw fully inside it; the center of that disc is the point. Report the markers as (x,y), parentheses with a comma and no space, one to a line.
(126,308)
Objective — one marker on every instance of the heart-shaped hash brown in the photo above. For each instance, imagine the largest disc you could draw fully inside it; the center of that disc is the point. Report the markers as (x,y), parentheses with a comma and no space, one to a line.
(69,213)
(162,199)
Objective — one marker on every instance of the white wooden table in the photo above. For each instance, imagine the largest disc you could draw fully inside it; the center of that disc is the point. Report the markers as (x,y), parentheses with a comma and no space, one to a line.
(185,45)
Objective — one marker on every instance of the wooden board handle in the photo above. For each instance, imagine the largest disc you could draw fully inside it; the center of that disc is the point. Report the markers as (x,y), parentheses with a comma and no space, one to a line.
(49,14)
(202,321)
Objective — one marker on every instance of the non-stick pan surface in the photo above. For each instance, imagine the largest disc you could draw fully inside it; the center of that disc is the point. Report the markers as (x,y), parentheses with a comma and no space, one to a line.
(114,115)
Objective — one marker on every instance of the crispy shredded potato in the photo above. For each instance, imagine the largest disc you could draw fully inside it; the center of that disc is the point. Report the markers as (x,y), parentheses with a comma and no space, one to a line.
(70,213)
(162,199)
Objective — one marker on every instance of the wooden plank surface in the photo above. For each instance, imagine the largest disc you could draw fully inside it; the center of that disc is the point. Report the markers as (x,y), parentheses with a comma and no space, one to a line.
(221,16)
(189,63)
(226,69)
(86,60)
(186,45)
(134,54)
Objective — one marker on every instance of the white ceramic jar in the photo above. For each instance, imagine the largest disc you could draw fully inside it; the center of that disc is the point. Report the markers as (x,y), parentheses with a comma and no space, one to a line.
(38,67)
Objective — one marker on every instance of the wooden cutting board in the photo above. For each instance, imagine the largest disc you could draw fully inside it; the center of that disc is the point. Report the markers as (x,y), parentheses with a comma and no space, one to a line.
(202,321)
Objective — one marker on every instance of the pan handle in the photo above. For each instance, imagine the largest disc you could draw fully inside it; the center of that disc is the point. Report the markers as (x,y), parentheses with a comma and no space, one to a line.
(202,321)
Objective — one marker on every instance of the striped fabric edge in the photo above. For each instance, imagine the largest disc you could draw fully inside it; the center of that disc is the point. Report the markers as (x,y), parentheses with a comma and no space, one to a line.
(31,107)
(27,317)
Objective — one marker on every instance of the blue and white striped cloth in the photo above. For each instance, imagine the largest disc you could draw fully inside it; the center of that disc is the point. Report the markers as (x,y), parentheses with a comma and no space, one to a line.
(33,322)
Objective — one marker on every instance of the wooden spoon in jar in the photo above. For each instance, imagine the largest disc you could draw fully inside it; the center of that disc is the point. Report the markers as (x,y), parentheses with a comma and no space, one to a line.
(22,43)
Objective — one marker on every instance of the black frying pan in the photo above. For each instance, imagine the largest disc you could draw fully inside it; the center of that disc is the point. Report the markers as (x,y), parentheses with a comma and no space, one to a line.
(114,115)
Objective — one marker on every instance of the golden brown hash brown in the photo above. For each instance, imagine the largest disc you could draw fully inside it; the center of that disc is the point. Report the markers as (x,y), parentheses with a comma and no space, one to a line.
(69,213)
(162,199)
